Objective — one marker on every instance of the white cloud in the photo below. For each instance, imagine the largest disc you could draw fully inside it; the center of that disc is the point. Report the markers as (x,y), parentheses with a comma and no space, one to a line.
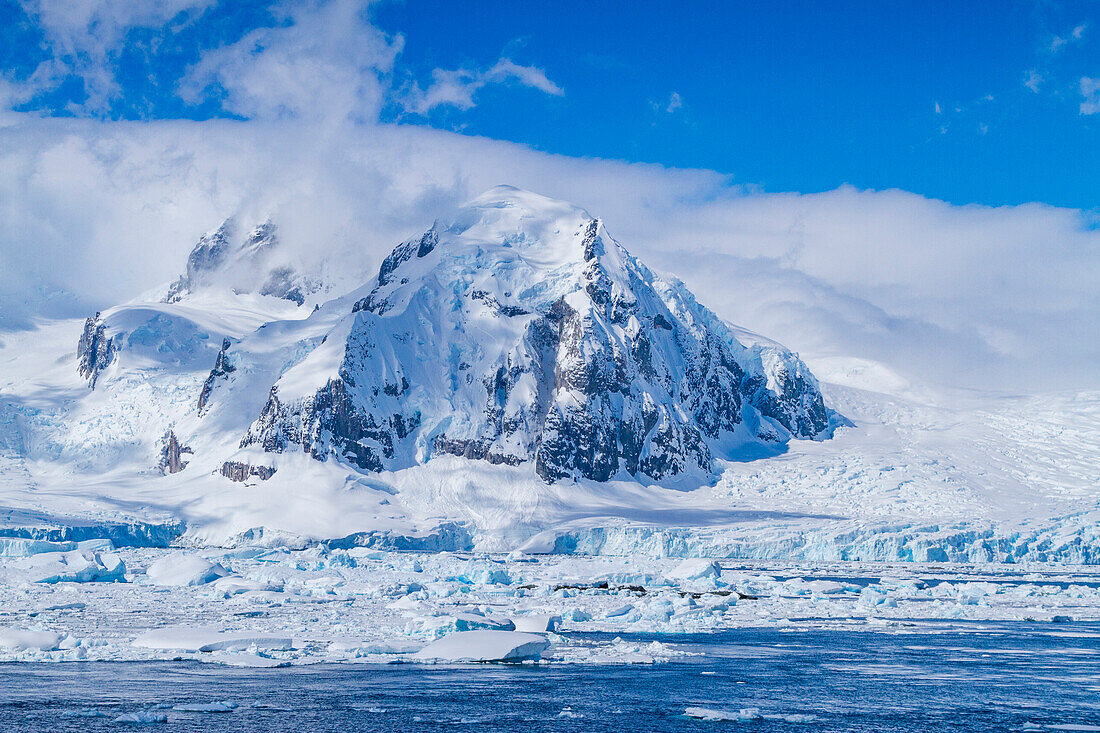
(1059,42)
(457,87)
(674,103)
(1090,90)
(325,61)
(84,35)
(1033,80)
(92,213)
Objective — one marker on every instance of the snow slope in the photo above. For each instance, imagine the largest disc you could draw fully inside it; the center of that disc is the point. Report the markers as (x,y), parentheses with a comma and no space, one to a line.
(513,377)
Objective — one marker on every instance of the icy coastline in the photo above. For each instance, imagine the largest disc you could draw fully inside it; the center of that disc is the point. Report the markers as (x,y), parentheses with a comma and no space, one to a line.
(275,606)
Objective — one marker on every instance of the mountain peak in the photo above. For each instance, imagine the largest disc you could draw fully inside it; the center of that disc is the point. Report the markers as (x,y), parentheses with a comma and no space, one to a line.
(522,333)
(252,264)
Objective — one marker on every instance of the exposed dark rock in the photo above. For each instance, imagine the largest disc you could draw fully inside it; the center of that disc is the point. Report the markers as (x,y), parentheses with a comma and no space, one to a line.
(284,283)
(328,422)
(208,255)
(241,472)
(419,247)
(223,367)
(172,452)
(95,351)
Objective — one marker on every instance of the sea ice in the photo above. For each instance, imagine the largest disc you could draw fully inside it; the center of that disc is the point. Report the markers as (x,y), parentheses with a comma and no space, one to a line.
(20,640)
(485,646)
(199,639)
(206,707)
(74,566)
(184,570)
(695,569)
(537,623)
(145,717)
(743,715)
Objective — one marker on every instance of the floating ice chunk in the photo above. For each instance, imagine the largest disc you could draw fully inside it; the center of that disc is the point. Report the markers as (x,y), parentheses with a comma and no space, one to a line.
(184,570)
(537,623)
(206,707)
(475,621)
(742,715)
(232,585)
(254,661)
(825,587)
(485,646)
(84,713)
(145,717)
(695,569)
(199,639)
(75,566)
(21,640)
(620,611)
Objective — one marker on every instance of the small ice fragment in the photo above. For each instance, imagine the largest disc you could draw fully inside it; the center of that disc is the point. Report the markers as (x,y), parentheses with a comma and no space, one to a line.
(145,717)
(744,714)
(620,611)
(474,621)
(208,707)
(84,713)
(538,623)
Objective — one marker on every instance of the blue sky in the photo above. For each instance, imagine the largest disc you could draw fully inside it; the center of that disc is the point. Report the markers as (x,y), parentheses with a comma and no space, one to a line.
(977,102)
(914,184)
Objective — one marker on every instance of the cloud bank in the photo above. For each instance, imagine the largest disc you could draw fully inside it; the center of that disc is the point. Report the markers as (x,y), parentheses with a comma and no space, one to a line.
(93,213)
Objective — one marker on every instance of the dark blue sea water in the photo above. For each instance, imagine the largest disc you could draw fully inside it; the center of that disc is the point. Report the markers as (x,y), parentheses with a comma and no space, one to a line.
(932,678)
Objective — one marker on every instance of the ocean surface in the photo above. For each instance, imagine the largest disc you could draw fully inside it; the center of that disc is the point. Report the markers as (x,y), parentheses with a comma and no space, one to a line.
(916,677)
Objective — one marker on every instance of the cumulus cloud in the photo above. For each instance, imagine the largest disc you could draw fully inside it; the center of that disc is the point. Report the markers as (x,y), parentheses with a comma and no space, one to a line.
(92,213)
(84,36)
(323,61)
(458,87)
(1033,80)
(1059,42)
(1090,90)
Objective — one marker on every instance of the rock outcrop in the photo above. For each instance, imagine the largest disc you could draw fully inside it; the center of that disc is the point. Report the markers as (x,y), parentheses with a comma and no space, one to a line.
(172,452)
(95,350)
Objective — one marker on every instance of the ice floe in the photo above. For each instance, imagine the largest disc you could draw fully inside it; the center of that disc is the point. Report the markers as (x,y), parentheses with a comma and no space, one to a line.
(485,646)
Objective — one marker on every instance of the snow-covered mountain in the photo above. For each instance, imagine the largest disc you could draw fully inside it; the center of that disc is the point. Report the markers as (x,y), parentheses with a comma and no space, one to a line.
(512,376)
(522,333)
(252,264)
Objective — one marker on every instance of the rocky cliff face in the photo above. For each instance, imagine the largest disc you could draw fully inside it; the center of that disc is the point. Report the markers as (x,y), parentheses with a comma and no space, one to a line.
(252,264)
(223,367)
(172,454)
(522,333)
(95,350)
